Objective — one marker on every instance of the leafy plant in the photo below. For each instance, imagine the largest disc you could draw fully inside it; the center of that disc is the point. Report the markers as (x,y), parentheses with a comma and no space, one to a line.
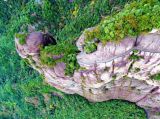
(90,47)
(134,57)
(71,64)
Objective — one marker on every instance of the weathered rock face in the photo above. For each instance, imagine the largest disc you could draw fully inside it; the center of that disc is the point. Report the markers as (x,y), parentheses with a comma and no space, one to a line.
(34,41)
(115,71)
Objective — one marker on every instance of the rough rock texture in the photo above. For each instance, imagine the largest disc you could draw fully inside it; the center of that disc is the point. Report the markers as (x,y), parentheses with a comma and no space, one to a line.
(34,41)
(109,72)
(32,46)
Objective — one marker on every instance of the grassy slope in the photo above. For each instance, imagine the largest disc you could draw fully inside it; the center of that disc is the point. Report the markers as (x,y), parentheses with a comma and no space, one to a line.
(23,92)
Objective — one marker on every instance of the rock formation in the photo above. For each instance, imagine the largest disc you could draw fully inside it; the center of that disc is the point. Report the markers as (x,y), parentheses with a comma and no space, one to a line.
(115,71)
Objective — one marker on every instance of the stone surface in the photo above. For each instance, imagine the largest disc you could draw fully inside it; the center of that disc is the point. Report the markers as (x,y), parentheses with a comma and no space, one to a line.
(109,73)
(34,41)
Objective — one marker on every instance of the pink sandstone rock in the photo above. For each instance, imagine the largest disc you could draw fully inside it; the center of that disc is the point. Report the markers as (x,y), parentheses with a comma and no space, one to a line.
(109,72)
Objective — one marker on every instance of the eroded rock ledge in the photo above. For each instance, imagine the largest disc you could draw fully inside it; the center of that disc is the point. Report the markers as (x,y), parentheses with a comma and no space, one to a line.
(111,72)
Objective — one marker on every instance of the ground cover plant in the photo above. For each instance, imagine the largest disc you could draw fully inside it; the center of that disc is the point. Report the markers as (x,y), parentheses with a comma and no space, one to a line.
(131,21)
(24,94)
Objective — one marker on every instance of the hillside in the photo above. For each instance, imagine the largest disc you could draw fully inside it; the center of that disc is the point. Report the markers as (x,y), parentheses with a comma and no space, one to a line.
(23,92)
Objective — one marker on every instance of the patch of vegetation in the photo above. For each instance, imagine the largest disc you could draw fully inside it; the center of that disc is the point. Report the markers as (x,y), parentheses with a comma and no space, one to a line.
(67,50)
(90,47)
(21,37)
(71,64)
(114,76)
(131,21)
(155,76)
(134,56)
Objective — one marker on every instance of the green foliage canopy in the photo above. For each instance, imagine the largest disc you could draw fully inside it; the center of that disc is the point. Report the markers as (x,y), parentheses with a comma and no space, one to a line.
(136,18)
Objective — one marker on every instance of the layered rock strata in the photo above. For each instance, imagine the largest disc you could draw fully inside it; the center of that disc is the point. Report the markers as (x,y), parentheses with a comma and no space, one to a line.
(115,71)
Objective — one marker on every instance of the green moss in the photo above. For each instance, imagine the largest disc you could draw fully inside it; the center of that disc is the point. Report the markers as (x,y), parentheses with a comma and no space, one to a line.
(90,47)
(21,37)
(136,18)
(82,68)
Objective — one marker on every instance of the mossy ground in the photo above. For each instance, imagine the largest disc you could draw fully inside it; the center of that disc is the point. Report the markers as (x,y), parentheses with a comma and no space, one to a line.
(23,93)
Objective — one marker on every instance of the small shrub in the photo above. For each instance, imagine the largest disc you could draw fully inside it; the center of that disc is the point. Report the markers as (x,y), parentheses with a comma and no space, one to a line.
(155,76)
(134,57)
(21,37)
(90,47)
(71,64)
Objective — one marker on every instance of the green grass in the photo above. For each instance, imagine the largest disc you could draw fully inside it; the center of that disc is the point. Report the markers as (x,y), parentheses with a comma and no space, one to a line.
(23,92)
